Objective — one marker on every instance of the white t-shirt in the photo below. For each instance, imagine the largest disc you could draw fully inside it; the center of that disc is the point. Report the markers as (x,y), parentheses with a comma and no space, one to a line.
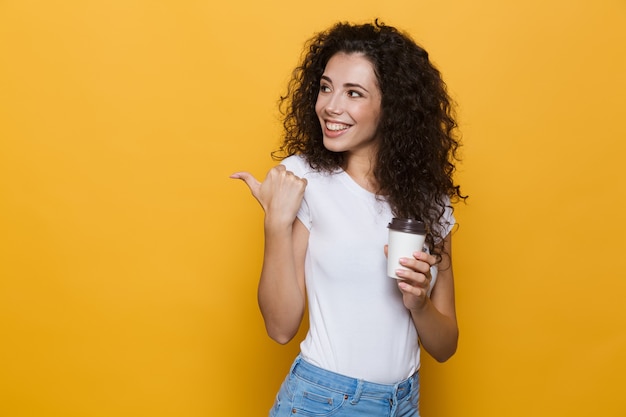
(359,326)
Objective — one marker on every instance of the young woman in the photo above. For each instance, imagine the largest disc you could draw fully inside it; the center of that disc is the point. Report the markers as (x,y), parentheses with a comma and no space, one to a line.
(369,135)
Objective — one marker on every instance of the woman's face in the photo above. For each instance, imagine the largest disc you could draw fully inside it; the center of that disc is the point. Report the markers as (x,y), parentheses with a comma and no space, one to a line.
(348,104)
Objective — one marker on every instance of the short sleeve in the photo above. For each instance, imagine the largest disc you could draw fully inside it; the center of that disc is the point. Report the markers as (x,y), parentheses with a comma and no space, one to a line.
(447,221)
(298,165)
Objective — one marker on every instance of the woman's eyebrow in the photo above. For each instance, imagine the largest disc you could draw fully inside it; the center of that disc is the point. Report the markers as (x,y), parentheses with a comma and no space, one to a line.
(352,85)
(347,85)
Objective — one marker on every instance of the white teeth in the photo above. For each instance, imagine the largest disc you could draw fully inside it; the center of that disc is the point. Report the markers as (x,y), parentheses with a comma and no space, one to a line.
(336,126)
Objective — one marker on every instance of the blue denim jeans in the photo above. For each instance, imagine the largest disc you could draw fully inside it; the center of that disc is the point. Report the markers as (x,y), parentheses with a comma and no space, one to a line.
(312,391)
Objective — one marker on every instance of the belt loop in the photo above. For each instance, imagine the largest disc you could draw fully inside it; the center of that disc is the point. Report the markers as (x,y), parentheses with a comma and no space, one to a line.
(359,391)
(393,401)
(295,363)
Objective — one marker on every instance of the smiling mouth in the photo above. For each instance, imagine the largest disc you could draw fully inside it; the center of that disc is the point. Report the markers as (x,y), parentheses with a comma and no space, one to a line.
(335,127)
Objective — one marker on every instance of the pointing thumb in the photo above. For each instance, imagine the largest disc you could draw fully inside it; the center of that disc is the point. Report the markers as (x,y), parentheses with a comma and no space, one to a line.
(248,178)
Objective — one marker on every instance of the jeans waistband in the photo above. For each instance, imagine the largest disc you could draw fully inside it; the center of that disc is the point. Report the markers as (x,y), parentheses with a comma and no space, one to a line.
(348,385)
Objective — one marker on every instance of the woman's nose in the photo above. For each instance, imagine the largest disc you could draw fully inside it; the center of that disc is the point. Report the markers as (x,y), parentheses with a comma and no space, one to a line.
(334,104)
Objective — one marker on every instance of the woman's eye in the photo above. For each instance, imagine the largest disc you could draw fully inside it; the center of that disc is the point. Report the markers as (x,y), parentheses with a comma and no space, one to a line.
(353,93)
(324,88)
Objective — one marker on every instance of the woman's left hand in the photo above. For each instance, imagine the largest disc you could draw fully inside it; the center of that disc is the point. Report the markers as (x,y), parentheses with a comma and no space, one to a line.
(415,281)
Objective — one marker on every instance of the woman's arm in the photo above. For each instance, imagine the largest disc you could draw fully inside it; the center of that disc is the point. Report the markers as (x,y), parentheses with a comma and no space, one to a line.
(281,292)
(435,316)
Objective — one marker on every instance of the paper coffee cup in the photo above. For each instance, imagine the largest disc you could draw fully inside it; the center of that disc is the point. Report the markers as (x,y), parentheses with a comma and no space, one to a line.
(405,237)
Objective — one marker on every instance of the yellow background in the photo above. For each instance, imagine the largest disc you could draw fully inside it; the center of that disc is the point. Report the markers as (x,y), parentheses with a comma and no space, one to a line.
(129,260)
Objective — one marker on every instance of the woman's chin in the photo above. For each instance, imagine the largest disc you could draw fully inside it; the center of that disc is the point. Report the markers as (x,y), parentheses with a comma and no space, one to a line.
(332,145)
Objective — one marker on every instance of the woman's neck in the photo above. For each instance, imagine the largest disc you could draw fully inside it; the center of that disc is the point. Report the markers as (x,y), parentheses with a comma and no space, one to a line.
(361,170)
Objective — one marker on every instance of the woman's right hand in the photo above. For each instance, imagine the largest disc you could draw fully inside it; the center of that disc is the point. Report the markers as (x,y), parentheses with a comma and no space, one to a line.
(280,194)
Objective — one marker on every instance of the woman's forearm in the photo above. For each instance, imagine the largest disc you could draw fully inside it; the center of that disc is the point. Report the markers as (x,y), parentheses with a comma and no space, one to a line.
(281,293)
(438,333)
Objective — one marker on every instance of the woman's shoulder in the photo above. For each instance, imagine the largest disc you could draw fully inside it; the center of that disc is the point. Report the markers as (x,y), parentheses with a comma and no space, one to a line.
(300,166)
(297,164)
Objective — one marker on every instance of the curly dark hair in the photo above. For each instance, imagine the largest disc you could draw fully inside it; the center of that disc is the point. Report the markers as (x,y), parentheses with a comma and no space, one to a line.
(418,146)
